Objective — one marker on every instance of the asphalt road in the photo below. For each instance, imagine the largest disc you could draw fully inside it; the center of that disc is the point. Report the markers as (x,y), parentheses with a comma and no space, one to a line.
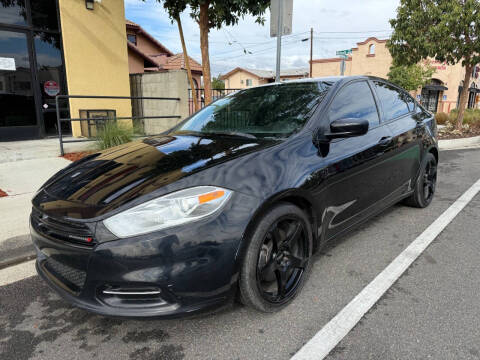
(432,311)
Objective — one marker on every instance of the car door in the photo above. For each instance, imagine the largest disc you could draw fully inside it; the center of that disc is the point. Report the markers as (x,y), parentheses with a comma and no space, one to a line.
(398,113)
(354,173)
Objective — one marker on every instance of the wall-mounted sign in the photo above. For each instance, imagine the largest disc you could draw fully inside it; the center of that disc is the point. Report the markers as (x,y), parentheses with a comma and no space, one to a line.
(7,64)
(444,97)
(51,88)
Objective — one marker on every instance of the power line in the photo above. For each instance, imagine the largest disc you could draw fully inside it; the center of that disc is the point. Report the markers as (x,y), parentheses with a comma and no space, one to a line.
(351,32)
(261,51)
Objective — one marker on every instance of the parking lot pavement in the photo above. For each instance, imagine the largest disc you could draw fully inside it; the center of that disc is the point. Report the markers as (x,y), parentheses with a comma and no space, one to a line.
(35,323)
(433,311)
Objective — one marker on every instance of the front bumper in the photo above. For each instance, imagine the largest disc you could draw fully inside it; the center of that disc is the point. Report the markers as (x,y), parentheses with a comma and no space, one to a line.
(176,272)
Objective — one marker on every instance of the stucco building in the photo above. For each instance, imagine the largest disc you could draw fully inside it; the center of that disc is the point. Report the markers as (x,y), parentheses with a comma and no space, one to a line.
(372,57)
(53,47)
(242,78)
(146,54)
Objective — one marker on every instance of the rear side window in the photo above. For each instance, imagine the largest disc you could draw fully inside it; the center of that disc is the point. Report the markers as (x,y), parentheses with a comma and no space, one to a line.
(394,102)
(354,101)
(410,102)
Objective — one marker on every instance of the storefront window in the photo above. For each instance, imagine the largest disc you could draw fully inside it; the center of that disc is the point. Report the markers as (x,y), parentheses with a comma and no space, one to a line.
(17,107)
(44,14)
(49,65)
(12,12)
(50,76)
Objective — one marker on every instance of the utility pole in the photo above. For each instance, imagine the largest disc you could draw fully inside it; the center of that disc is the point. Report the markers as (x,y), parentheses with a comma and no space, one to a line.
(279,39)
(311,50)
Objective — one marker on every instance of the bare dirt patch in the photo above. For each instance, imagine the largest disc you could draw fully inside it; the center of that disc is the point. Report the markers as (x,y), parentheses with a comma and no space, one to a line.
(74,156)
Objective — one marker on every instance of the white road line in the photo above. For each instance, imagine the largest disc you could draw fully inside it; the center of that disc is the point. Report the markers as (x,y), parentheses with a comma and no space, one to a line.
(336,329)
(17,272)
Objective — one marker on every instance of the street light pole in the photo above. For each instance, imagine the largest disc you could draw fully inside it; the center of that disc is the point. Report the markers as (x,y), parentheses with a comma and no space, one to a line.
(279,39)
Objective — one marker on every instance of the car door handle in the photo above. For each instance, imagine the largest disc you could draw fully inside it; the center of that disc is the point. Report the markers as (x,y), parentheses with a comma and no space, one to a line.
(385,141)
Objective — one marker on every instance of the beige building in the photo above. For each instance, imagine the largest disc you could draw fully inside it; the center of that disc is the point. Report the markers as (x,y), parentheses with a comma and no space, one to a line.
(372,57)
(242,78)
(59,47)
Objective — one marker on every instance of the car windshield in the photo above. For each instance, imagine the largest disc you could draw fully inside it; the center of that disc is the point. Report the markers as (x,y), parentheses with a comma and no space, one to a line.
(275,111)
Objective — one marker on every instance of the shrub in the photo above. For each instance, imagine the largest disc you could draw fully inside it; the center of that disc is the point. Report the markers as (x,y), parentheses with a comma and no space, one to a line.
(441,118)
(113,134)
(472,116)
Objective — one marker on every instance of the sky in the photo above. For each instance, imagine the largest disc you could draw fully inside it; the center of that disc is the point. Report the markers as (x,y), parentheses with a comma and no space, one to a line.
(337,25)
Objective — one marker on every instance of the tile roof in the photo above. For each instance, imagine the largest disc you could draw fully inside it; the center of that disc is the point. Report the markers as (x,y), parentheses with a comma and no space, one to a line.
(177,61)
(269,74)
(173,61)
(131,23)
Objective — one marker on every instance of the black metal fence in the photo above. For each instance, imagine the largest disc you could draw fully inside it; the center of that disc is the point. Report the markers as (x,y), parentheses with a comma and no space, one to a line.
(93,119)
(200,94)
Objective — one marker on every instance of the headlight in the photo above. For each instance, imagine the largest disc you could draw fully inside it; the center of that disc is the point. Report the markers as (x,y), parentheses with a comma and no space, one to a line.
(173,209)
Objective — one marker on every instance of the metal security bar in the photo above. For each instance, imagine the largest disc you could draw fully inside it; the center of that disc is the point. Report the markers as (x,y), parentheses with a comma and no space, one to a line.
(200,93)
(137,107)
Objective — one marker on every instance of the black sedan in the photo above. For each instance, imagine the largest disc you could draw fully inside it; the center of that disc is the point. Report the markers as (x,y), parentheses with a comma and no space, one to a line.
(233,201)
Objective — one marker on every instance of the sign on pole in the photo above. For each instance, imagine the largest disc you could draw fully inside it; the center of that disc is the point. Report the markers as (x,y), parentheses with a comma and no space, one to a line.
(287,11)
(344,55)
(344,52)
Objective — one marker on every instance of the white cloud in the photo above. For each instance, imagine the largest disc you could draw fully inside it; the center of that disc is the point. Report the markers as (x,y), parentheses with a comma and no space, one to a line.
(227,45)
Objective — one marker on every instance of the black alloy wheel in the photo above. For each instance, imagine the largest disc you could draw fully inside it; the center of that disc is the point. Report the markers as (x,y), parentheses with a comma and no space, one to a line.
(282,259)
(429,180)
(277,261)
(426,183)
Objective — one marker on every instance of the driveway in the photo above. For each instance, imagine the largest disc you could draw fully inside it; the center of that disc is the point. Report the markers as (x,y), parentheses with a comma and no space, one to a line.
(431,311)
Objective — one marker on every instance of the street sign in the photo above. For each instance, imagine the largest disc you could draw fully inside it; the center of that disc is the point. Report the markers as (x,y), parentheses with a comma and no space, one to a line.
(286,17)
(344,52)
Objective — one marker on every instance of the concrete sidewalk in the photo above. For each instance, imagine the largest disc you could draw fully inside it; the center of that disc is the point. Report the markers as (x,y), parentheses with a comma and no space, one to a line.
(13,151)
(456,144)
(20,180)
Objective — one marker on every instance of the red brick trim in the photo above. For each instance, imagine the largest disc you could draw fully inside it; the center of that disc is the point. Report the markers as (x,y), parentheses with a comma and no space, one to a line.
(322,61)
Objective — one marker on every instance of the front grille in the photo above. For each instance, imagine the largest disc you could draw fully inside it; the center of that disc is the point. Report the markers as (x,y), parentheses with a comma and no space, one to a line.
(61,229)
(74,279)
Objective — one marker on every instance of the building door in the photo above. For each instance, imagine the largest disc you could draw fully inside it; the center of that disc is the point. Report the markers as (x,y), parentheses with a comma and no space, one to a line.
(429,99)
(18,118)
(31,69)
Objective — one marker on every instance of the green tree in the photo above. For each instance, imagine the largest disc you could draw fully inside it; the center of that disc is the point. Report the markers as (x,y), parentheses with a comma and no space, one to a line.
(410,77)
(217,84)
(214,14)
(445,30)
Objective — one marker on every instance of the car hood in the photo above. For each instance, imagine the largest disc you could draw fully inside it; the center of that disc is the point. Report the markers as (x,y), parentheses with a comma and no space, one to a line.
(105,181)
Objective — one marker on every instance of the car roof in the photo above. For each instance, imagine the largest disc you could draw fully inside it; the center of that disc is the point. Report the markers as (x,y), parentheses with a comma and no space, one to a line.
(332,79)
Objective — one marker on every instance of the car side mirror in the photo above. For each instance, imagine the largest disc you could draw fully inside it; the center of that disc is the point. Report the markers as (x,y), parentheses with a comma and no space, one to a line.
(345,128)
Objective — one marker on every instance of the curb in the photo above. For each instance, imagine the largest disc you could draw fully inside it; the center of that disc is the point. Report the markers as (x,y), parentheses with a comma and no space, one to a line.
(458,144)
(17,260)
(16,250)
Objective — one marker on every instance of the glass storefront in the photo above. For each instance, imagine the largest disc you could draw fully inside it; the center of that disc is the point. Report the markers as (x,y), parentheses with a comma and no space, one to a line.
(32,71)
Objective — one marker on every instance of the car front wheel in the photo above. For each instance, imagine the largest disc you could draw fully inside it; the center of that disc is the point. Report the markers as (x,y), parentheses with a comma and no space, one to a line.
(277,260)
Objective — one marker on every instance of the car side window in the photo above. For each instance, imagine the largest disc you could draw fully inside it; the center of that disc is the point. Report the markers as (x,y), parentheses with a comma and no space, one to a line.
(394,102)
(354,101)
(410,102)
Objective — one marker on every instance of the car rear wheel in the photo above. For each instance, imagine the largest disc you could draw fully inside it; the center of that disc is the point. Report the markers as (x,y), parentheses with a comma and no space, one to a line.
(425,185)
(277,259)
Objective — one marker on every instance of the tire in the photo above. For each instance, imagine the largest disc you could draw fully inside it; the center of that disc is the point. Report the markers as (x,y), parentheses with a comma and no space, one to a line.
(277,258)
(425,185)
